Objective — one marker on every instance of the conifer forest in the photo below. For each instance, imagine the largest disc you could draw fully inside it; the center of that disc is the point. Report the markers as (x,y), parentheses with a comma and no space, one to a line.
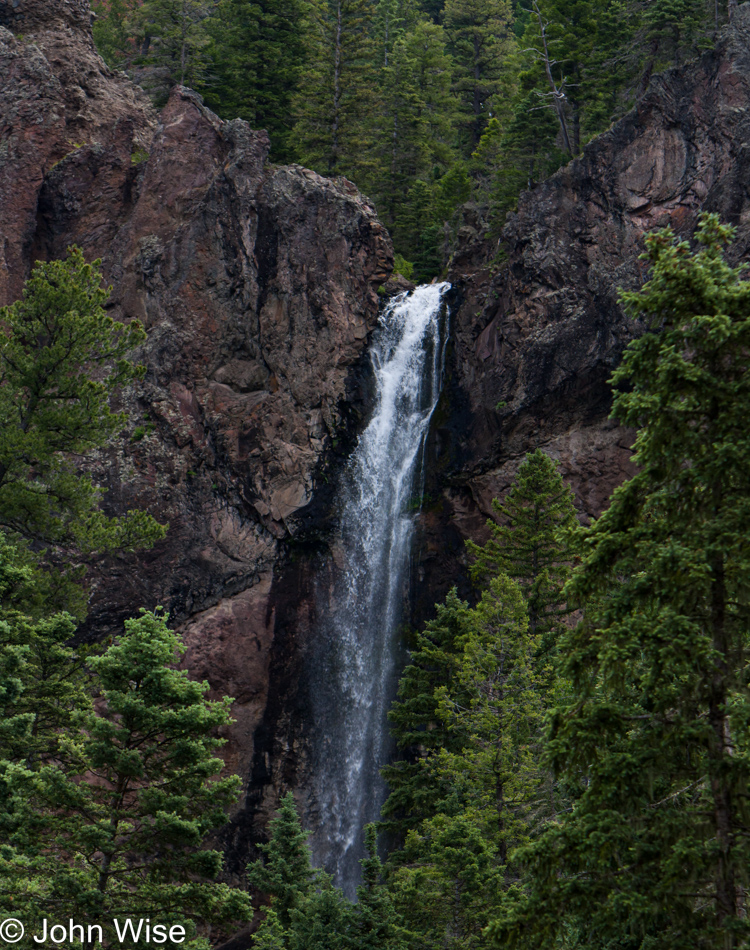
(556,755)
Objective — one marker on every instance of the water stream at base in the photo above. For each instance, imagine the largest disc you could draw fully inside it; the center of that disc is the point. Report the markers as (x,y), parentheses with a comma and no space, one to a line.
(355,667)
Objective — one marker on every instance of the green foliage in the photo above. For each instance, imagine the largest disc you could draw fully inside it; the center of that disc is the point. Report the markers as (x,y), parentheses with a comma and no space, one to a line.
(43,686)
(482,41)
(656,736)
(494,707)
(307,912)
(61,359)
(379,926)
(331,131)
(113,31)
(442,112)
(415,724)
(119,831)
(475,786)
(257,52)
(285,873)
(531,543)
(448,882)
(414,127)
(270,935)
(403,267)
(172,39)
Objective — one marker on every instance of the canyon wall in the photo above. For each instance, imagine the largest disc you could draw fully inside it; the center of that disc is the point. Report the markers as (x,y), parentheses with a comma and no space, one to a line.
(536,337)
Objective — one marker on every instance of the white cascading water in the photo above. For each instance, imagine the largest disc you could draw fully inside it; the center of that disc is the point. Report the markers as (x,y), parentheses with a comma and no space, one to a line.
(355,667)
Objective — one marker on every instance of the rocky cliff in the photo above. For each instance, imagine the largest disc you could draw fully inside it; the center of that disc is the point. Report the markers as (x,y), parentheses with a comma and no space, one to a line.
(535,340)
(258,288)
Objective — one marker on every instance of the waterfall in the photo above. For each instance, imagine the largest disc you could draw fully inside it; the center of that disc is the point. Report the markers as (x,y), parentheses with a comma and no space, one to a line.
(355,668)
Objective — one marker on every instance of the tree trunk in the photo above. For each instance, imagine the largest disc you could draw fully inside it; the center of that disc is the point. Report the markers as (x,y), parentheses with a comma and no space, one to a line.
(721,746)
(646,77)
(558,96)
(334,157)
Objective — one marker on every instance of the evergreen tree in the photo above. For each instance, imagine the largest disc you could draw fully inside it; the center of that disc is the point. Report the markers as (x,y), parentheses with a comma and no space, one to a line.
(656,850)
(124,837)
(415,724)
(61,359)
(447,885)
(564,37)
(285,872)
(379,926)
(532,543)
(495,706)
(332,110)
(513,158)
(115,31)
(481,40)
(257,55)
(172,40)
(413,133)
(270,935)
(325,920)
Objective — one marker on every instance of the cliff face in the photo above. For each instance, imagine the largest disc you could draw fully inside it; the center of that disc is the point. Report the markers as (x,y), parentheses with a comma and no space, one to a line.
(535,342)
(258,288)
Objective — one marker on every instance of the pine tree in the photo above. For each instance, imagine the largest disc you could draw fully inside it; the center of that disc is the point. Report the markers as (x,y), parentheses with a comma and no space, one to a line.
(256,56)
(494,706)
(415,724)
(172,40)
(412,135)
(516,156)
(656,850)
(61,359)
(270,935)
(481,40)
(285,872)
(532,543)
(379,926)
(124,836)
(332,110)
(447,885)
(325,920)
(115,31)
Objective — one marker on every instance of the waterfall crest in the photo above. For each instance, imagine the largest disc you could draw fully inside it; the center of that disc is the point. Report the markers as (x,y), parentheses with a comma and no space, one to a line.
(355,668)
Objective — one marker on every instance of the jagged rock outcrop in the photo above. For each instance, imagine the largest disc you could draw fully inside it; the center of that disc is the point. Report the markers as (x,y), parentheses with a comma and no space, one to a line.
(535,342)
(258,288)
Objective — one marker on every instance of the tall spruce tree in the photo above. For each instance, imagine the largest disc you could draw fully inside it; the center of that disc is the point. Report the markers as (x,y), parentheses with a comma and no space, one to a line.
(481,40)
(332,110)
(172,41)
(255,61)
(61,359)
(415,723)
(447,883)
(378,924)
(656,850)
(531,542)
(494,706)
(285,871)
(413,133)
(115,31)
